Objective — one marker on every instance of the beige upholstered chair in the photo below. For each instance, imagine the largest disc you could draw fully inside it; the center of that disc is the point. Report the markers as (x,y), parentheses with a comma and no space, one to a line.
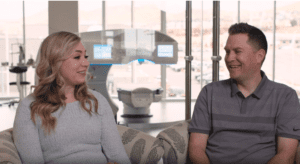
(140,147)
(175,142)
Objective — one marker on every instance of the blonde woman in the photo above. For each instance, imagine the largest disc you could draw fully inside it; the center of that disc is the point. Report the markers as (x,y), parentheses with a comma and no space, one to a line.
(63,121)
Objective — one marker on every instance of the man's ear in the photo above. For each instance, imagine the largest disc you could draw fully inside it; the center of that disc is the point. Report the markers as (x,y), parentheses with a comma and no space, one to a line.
(260,55)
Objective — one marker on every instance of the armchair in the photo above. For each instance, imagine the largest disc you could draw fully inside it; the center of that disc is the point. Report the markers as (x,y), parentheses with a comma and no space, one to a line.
(175,141)
(140,147)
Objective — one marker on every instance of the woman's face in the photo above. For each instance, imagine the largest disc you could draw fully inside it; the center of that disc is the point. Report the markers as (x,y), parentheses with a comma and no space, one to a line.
(73,69)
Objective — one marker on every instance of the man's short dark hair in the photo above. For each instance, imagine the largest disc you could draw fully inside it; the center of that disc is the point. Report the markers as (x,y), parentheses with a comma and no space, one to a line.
(256,37)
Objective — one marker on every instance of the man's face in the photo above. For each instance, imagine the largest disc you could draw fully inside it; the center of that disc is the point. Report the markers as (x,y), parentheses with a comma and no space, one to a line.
(241,58)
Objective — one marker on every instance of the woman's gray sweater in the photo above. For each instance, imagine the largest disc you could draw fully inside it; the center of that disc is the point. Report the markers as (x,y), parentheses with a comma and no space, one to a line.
(78,137)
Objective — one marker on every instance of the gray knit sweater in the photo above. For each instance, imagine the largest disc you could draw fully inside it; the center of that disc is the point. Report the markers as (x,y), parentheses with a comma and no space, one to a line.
(78,137)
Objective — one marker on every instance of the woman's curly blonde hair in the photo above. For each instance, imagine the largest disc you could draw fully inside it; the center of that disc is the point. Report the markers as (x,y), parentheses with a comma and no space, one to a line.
(50,91)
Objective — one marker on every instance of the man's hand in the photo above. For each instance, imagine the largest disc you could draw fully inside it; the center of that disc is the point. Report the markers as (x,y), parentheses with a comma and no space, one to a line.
(197,147)
(286,151)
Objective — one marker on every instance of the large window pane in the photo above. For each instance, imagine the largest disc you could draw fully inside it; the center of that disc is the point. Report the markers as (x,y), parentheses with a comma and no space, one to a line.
(11,32)
(118,14)
(143,74)
(90,16)
(261,17)
(288,44)
(147,14)
(228,17)
(36,26)
(11,37)
(175,13)
(197,25)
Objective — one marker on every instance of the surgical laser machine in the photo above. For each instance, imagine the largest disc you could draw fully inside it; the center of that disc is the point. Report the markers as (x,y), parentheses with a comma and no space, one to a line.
(122,46)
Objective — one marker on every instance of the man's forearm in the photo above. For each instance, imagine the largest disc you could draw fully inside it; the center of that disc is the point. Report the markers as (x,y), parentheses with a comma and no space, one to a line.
(199,157)
(282,159)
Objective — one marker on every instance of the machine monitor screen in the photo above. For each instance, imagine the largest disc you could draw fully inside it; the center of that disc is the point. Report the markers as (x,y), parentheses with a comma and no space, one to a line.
(122,46)
(165,51)
(102,51)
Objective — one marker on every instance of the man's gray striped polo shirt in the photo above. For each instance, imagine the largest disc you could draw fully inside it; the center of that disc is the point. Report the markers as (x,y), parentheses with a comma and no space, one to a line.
(244,130)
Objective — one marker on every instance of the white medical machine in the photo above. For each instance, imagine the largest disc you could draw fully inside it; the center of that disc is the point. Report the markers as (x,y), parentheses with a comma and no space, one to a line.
(122,46)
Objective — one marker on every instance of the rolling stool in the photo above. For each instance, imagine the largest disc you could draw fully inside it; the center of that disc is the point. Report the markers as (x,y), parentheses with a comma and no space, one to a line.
(18,70)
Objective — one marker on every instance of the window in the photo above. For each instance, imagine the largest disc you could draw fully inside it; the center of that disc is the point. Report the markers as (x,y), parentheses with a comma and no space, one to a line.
(90,16)
(36,26)
(287,55)
(10,33)
(11,36)
(262,18)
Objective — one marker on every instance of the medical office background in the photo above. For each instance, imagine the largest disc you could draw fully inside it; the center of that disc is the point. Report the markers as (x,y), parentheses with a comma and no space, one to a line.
(27,22)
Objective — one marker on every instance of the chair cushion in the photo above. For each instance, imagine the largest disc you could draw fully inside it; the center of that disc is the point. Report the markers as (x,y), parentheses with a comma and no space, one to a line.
(8,151)
(175,141)
(140,147)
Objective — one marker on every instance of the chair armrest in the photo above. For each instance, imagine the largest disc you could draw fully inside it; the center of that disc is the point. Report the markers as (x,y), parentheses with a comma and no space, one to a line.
(8,150)
(175,141)
(140,147)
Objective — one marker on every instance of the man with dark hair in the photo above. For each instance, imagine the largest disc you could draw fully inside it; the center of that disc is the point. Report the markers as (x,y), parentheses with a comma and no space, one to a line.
(247,118)
(256,38)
